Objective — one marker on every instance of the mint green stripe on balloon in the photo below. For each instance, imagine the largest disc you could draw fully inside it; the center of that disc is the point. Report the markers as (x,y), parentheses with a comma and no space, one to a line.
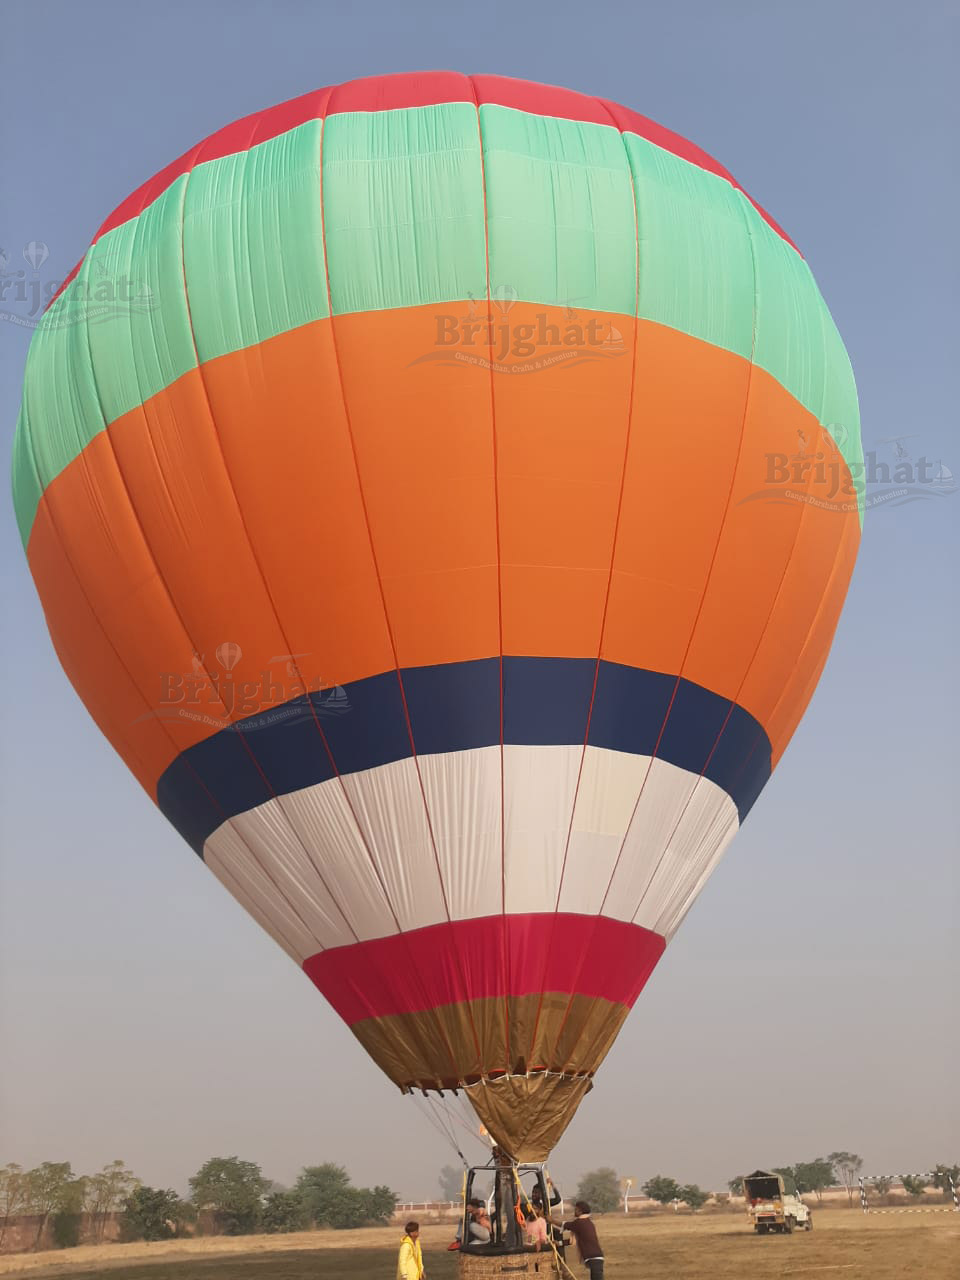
(27,485)
(798,344)
(147,343)
(696,271)
(562,230)
(577,215)
(60,412)
(253,243)
(712,267)
(118,334)
(560,212)
(403,208)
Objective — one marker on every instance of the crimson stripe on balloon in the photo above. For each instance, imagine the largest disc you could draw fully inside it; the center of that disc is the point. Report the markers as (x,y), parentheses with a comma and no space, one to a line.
(593,956)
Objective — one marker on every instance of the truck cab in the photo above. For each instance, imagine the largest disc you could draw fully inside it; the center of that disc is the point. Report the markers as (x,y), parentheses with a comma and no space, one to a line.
(770,1208)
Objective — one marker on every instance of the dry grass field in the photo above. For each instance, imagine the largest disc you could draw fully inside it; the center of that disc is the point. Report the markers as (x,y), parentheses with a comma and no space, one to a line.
(844,1244)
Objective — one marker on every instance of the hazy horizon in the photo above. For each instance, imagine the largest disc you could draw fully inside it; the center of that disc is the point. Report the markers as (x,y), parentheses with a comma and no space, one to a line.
(144,1016)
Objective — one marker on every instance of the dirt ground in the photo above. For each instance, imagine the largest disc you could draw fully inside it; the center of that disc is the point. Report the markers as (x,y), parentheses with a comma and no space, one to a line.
(844,1244)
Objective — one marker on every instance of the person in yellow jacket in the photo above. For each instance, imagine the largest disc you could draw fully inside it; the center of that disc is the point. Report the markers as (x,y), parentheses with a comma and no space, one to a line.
(410,1261)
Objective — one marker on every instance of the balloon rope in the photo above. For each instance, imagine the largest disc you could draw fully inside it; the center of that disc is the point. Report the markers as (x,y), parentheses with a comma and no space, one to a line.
(442,1115)
(467,1121)
(446,1134)
(522,1195)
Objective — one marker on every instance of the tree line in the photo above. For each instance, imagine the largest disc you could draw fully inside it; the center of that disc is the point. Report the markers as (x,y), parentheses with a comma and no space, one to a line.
(601,1188)
(844,1169)
(229,1196)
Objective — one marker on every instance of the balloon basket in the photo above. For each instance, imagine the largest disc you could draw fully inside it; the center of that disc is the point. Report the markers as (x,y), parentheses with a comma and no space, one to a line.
(488,1266)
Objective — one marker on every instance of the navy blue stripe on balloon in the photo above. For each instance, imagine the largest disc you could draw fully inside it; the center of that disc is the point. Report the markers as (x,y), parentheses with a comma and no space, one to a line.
(456,707)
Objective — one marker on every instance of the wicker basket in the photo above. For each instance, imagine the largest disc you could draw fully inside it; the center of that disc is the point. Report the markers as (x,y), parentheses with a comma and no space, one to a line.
(476,1266)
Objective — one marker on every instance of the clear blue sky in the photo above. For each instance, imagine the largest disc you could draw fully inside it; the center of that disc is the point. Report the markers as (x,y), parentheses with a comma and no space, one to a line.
(143,1016)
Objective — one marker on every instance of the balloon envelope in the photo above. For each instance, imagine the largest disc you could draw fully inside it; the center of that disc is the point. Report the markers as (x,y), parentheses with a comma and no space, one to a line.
(442,492)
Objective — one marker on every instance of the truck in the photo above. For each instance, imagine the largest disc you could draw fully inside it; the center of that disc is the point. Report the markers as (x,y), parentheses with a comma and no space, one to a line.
(770,1208)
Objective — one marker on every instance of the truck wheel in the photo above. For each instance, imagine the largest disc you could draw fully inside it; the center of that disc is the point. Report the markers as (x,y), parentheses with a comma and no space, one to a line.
(760,1229)
(788,1225)
(808,1225)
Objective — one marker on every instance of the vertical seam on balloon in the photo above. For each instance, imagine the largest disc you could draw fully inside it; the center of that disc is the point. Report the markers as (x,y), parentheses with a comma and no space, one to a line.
(366,521)
(735,700)
(246,899)
(838,557)
(376,566)
(85,328)
(259,568)
(706,585)
(45,503)
(763,736)
(840,552)
(613,553)
(496,510)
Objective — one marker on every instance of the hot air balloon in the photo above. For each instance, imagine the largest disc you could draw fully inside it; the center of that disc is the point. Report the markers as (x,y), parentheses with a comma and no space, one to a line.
(507,415)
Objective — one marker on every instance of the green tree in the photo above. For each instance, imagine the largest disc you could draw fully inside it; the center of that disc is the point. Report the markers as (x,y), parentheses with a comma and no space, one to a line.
(324,1189)
(914,1184)
(284,1211)
(693,1196)
(941,1178)
(661,1189)
(378,1204)
(601,1189)
(13,1195)
(331,1201)
(349,1209)
(233,1190)
(451,1182)
(49,1188)
(106,1192)
(847,1168)
(882,1185)
(735,1186)
(150,1214)
(813,1175)
(67,1219)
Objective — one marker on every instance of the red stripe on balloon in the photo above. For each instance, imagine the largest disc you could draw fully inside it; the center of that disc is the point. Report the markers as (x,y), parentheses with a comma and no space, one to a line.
(490,957)
(398,92)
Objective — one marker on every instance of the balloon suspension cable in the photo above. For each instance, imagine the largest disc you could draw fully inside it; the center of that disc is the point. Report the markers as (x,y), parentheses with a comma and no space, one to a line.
(456,1114)
(439,1122)
(443,1116)
(467,1120)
